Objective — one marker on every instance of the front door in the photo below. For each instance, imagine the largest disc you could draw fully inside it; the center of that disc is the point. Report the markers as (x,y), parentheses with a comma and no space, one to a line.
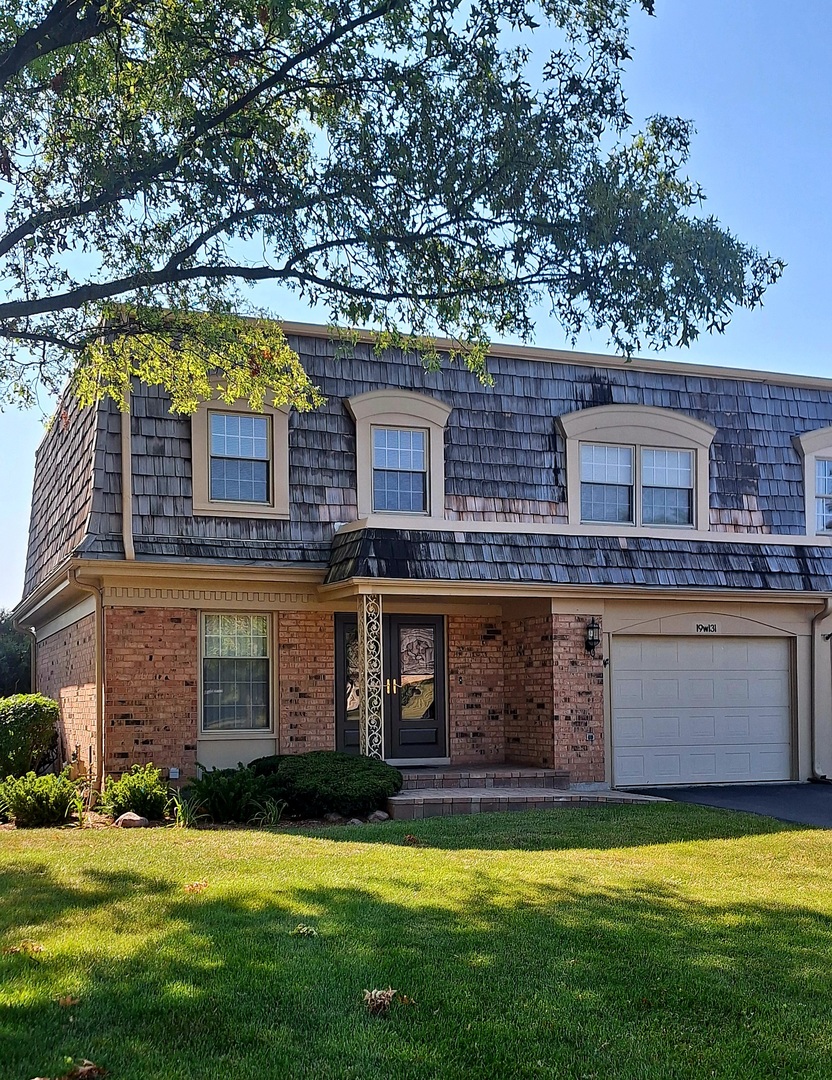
(414,686)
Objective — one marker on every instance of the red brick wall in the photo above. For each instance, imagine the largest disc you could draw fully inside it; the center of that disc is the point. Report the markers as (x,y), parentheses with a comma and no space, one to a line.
(306,681)
(475,690)
(150,704)
(578,701)
(529,675)
(65,668)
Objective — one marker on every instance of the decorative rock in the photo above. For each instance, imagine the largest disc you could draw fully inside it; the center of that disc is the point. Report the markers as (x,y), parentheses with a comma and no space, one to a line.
(378,815)
(355,821)
(131,821)
(333,819)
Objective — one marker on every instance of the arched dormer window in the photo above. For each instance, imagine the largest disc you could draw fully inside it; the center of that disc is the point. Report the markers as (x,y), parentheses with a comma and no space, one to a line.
(400,453)
(637,465)
(815,448)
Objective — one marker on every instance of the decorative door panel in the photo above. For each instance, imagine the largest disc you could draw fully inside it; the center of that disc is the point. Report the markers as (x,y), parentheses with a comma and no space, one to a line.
(414,686)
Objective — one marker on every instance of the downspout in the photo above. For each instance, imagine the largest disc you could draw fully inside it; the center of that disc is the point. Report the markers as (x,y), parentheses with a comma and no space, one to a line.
(98,592)
(815,777)
(33,661)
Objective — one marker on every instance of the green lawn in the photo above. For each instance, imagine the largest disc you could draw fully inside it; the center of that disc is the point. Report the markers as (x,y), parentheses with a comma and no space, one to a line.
(652,941)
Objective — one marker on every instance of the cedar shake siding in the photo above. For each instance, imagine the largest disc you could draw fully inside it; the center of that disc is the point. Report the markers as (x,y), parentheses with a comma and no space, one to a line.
(504,457)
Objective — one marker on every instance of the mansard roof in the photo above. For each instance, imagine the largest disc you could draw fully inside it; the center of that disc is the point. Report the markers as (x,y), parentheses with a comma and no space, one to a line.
(504,457)
(561,559)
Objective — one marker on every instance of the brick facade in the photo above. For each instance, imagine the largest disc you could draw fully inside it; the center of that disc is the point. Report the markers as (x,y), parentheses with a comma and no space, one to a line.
(521,691)
(578,731)
(65,669)
(475,690)
(306,681)
(529,676)
(150,700)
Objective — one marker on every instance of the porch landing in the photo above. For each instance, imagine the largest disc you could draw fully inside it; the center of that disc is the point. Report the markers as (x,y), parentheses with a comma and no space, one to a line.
(449,790)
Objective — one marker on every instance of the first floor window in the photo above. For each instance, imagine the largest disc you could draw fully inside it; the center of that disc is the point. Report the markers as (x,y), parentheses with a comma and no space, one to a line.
(235,673)
(239,463)
(400,470)
(823,494)
(667,487)
(607,483)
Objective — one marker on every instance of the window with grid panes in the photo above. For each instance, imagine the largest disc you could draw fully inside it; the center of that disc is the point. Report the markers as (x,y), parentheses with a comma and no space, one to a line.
(667,487)
(400,470)
(235,673)
(823,494)
(239,460)
(607,483)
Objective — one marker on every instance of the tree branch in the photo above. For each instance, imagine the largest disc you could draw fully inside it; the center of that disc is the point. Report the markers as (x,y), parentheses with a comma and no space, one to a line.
(125,186)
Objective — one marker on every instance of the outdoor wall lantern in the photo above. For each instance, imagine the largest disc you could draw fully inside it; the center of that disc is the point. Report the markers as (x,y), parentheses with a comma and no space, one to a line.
(593,636)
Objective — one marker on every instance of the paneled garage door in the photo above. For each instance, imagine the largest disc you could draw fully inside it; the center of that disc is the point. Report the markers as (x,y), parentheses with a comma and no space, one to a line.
(697,711)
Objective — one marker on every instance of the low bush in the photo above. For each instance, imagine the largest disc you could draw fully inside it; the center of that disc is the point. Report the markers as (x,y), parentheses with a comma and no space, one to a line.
(325,782)
(140,791)
(32,800)
(28,732)
(230,795)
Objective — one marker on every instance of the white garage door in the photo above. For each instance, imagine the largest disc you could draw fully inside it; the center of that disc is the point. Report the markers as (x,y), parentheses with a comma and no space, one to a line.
(699,711)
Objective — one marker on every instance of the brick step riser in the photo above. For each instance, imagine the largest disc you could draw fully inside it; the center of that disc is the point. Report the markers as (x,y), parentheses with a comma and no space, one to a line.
(556,783)
(415,811)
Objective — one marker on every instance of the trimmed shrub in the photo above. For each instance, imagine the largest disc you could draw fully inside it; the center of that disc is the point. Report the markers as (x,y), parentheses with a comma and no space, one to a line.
(326,782)
(230,795)
(140,791)
(28,732)
(38,800)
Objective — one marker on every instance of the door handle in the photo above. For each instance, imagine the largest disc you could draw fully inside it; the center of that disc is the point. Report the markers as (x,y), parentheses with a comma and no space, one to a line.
(394,684)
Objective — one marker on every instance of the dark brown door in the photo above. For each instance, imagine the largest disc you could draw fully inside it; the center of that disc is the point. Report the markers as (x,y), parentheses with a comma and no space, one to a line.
(414,686)
(414,697)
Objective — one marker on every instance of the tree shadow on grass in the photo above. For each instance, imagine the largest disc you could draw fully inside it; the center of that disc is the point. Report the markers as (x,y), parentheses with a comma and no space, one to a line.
(511,979)
(595,828)
(32,895)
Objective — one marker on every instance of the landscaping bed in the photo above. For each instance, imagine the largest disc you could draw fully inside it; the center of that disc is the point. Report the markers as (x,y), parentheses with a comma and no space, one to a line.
(627,942)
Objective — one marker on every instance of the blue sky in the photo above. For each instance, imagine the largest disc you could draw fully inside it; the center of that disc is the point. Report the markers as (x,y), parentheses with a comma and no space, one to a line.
(753,75)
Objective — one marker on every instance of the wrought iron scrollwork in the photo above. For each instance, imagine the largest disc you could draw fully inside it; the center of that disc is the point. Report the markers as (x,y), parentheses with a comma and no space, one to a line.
(370,676)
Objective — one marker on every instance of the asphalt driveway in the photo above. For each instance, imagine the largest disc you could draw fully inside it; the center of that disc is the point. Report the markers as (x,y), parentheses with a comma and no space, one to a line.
(808,804)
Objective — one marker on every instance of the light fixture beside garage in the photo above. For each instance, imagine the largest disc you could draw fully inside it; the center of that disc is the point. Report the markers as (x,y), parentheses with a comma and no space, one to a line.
(593,636)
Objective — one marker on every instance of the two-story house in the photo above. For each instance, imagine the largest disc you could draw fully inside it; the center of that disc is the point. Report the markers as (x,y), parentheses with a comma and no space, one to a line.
(621,570)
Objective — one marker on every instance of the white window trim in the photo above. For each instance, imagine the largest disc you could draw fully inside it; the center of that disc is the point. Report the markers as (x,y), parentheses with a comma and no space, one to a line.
(239,733)
(813,446)
(642,427)
(203,504)
(400,409)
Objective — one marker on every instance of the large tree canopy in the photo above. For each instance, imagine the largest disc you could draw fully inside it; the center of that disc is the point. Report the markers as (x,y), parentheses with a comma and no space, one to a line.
(396,160)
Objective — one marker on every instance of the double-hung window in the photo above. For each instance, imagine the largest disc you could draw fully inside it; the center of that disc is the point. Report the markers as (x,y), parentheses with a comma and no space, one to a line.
(667,487)
(607,483)
(628,485)
(235,673)
(400,470)
(823,495)
(239,459)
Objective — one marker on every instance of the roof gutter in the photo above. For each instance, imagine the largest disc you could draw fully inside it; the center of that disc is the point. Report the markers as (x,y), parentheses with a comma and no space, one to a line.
(816,777)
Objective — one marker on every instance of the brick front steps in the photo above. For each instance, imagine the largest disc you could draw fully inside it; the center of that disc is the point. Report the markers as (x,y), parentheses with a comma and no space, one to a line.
(497,776)
(444,792)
